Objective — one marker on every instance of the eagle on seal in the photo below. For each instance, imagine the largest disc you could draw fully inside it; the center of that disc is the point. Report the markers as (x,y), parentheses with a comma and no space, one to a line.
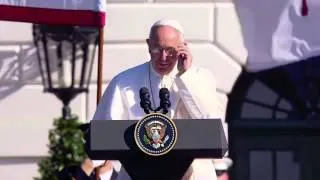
(155,132)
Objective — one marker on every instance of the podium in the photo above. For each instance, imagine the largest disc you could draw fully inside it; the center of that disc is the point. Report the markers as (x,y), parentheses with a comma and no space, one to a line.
(114,140)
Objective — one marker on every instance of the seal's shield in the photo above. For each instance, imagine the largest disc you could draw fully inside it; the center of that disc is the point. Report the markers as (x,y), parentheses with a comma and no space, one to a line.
(155,134)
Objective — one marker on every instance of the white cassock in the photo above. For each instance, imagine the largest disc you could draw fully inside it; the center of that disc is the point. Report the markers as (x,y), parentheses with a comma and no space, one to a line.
(192,96)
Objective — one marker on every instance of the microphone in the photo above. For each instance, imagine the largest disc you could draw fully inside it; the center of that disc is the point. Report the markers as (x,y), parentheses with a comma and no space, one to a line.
(145,102)
(164,96)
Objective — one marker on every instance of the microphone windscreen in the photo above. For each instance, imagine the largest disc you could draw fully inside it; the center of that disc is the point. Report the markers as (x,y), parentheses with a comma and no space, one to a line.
(144,92)
(164,93)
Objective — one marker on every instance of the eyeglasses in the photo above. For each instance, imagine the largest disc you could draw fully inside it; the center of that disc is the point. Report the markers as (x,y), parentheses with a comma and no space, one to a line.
(170,51)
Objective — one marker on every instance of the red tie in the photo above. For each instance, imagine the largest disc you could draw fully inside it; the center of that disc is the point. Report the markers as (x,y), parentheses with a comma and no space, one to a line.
(304,8)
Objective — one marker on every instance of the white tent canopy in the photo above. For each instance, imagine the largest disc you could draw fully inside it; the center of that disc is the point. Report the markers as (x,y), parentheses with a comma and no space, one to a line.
(278,32)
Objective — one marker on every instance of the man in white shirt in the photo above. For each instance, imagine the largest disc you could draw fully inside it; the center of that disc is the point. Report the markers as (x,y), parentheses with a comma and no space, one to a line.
(192,89)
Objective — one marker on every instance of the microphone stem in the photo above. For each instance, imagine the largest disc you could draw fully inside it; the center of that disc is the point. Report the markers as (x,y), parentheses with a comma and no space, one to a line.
(164,111)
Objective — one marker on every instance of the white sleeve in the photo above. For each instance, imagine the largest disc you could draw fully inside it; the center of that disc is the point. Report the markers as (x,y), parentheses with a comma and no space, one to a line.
(111,106)
(197,89)
(203,169)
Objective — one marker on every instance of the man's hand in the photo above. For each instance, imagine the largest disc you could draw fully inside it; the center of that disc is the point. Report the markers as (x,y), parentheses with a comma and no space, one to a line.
(184,58)
(87,166)
(107,166)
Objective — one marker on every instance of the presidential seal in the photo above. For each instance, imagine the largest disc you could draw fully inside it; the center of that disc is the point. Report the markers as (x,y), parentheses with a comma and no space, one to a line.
(155,134)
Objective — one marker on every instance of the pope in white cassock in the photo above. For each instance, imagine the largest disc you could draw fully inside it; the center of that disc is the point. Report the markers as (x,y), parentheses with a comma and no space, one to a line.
(192,89)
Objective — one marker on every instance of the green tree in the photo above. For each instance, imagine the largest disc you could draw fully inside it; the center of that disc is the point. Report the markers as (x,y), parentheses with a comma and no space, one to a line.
(65,148)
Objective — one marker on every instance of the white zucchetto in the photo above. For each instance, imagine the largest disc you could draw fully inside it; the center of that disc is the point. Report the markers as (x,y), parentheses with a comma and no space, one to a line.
(169,22)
